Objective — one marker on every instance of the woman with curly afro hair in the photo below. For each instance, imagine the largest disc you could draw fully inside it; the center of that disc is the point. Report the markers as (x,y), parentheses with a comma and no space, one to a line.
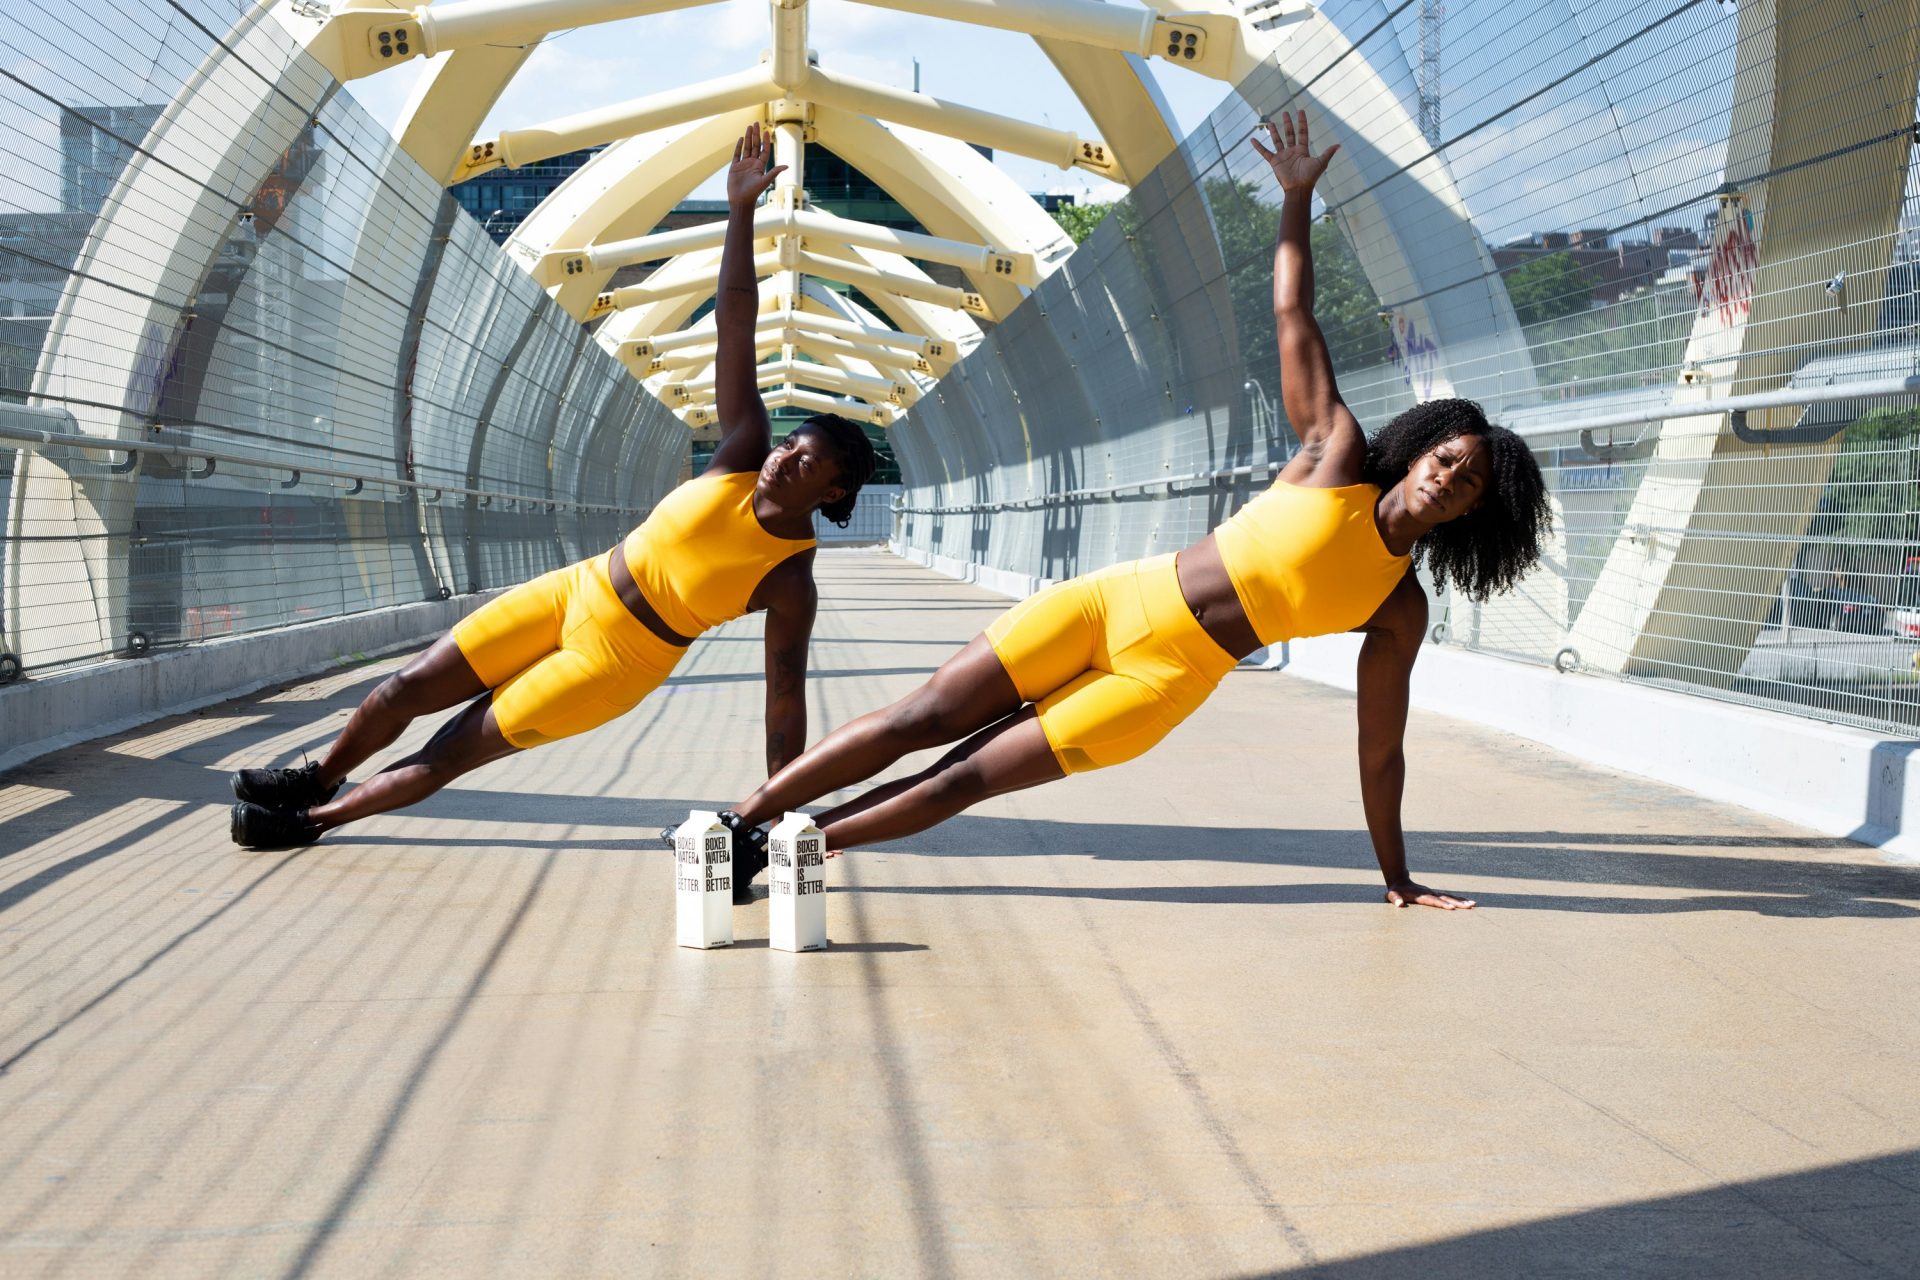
(1095,671)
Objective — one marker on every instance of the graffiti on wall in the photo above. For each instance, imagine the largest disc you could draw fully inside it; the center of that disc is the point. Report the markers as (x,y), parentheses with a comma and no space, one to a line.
(1414,354)
(1723,283)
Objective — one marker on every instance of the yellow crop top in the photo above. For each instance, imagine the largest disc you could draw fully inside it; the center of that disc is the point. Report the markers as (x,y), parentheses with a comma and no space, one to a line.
(701,552)
(1308,562)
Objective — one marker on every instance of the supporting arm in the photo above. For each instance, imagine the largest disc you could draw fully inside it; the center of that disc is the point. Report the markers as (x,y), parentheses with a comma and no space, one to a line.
(790,615)
(1383,675)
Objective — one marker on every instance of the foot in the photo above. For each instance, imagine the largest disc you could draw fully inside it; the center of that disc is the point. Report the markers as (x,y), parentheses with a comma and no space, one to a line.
(257,827)
(283,788)
(749,855)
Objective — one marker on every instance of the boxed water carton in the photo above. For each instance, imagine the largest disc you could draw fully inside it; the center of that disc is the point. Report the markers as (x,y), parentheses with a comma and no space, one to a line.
(797,875)
(703,881)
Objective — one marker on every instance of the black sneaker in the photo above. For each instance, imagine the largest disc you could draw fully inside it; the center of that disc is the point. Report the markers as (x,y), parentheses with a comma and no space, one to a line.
(283,788)
(749,855)
(256,827)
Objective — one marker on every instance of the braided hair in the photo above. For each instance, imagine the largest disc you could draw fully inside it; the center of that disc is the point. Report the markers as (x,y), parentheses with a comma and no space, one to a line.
(1491,548)
(852,453)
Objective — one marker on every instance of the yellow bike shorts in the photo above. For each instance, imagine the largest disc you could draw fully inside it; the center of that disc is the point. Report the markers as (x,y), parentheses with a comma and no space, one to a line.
(562,654)
(1114,659)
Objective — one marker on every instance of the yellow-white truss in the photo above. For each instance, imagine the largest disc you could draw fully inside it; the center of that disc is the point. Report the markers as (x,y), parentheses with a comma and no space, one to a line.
(819,349)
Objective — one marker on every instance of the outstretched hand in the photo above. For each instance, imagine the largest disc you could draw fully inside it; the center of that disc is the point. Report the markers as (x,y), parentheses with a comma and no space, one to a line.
(748,175)
(1294,165)
(1406,893)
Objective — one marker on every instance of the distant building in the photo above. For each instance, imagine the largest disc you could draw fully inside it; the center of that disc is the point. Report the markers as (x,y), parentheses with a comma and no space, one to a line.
(95,144)
(1615,270)
(38,249)
(501,200)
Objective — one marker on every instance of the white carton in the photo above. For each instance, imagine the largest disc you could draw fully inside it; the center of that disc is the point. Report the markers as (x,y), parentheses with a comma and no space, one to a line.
(703,881)
(797,875)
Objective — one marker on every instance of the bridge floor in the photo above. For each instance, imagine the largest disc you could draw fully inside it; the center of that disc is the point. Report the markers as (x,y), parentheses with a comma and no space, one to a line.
(1151,1021)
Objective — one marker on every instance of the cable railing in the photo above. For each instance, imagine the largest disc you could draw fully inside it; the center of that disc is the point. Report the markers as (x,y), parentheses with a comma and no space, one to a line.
(251,386)
(1727,416)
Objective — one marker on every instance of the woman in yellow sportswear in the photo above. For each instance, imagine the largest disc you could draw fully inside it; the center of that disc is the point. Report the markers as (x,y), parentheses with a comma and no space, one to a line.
(1094,671)
(579,646)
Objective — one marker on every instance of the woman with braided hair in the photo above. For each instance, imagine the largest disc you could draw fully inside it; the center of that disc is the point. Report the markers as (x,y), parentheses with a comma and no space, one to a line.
(577,647)
(1094,671)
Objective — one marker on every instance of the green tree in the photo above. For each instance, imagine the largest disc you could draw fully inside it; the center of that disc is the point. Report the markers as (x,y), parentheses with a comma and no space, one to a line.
(1636,342)
(1344,303)
(1548,288)
(1079,220)
(1874,488)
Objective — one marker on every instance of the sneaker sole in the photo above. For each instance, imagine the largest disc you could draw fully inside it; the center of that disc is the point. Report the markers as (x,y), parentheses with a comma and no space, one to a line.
(233,830)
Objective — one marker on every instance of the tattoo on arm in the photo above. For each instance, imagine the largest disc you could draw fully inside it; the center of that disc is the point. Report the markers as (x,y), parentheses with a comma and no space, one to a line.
(789,670)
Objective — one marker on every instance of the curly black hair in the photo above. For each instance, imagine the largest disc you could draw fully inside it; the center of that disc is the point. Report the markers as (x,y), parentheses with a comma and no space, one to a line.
(1492,548)
(854,455)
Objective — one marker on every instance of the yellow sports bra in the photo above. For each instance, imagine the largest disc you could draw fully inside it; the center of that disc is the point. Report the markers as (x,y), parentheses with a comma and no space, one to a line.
(701,552)
(1308,562)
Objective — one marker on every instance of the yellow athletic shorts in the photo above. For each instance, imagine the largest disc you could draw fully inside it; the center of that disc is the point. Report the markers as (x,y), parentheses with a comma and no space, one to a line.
(1114,659)
(562,654)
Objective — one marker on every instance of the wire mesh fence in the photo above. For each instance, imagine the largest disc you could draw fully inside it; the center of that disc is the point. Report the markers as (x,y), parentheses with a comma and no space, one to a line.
(1606,218)
(256,367)
(871,522)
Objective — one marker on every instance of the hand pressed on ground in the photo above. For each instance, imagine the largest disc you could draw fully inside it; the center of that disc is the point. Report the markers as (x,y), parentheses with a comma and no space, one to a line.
(1409,893)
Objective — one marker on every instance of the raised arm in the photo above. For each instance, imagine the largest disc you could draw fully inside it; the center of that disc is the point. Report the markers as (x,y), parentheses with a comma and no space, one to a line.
(745,434)
(1385,669)
(791,605)
(1327,430)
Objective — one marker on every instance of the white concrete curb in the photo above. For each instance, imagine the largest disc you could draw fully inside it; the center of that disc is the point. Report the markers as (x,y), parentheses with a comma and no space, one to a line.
(1837,780)
(43,714)
(1833,779)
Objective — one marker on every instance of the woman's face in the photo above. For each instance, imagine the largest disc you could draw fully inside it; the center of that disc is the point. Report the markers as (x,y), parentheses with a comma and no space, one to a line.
(1448,480)
(801,472)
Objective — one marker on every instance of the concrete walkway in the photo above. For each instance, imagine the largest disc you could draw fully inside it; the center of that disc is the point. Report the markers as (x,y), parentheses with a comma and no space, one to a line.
(1150,1022)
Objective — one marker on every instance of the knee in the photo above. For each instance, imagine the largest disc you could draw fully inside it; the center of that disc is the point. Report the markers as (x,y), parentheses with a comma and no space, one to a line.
(402,693)
(922,721)
(442,760)
(960,783)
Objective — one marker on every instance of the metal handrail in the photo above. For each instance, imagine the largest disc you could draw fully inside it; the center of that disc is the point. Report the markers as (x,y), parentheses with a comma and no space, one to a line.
(1780,399)
(1584,424)
(37,439)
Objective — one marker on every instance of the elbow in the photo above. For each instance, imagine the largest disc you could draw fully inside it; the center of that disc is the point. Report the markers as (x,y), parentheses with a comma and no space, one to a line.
(1383,760)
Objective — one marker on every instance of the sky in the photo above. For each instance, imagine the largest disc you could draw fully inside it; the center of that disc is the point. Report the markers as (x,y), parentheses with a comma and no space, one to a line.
(1000,71)
(1523,164)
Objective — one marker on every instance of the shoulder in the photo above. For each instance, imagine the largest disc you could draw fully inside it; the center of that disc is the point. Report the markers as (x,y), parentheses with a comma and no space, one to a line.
(789,586)
(1331,459)
(1403,614)
(1404,611)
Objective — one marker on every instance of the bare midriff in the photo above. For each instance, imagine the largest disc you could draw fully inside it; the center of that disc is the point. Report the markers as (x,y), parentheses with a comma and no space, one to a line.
(631,596)
(1208,591)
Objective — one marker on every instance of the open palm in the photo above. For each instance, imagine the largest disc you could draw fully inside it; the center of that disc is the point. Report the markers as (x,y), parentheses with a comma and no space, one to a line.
(748,175)
(1294,165)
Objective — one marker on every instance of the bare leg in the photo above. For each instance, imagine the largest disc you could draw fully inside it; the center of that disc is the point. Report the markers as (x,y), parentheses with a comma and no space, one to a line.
(970,691)
(466,741)
(433,681)
(1009,756)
